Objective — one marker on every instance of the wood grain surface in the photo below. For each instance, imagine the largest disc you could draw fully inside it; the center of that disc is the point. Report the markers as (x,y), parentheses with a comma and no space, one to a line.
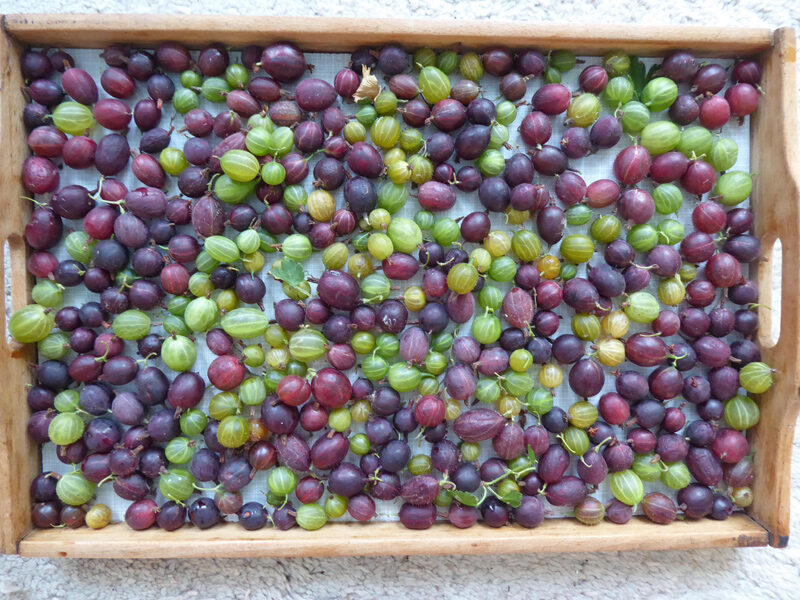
(354,539)
(341,34)
(19,459)
(776,204)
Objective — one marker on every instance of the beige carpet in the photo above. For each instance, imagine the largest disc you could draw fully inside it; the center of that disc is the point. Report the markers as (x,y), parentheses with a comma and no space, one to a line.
(715,574)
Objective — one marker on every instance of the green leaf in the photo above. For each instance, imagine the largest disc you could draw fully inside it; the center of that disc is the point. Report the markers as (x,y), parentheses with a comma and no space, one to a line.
(289,272)
(466,498)
(513,499)
(638,75)
(652,72)
(531,455)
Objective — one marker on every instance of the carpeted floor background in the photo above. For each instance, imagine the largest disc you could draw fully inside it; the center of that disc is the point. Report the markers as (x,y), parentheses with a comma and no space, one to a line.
(712,574)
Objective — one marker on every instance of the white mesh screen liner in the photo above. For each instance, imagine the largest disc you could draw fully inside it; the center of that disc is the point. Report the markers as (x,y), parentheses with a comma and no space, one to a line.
(594,167)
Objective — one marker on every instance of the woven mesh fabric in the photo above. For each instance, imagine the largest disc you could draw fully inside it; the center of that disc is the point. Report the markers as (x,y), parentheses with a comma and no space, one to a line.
(594,167)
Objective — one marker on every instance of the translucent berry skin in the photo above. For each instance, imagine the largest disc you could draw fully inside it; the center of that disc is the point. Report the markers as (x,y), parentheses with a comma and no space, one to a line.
(632,165)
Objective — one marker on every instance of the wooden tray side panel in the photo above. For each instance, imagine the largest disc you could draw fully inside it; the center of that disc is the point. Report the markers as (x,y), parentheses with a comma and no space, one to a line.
(341,34)
(353,539)
(776,201)
(19,459)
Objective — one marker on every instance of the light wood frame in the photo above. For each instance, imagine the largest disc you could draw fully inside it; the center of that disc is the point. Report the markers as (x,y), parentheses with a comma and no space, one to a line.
(775,202)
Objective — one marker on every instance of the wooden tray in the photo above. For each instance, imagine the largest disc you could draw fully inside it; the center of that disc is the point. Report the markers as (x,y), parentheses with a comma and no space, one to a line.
(775,201)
